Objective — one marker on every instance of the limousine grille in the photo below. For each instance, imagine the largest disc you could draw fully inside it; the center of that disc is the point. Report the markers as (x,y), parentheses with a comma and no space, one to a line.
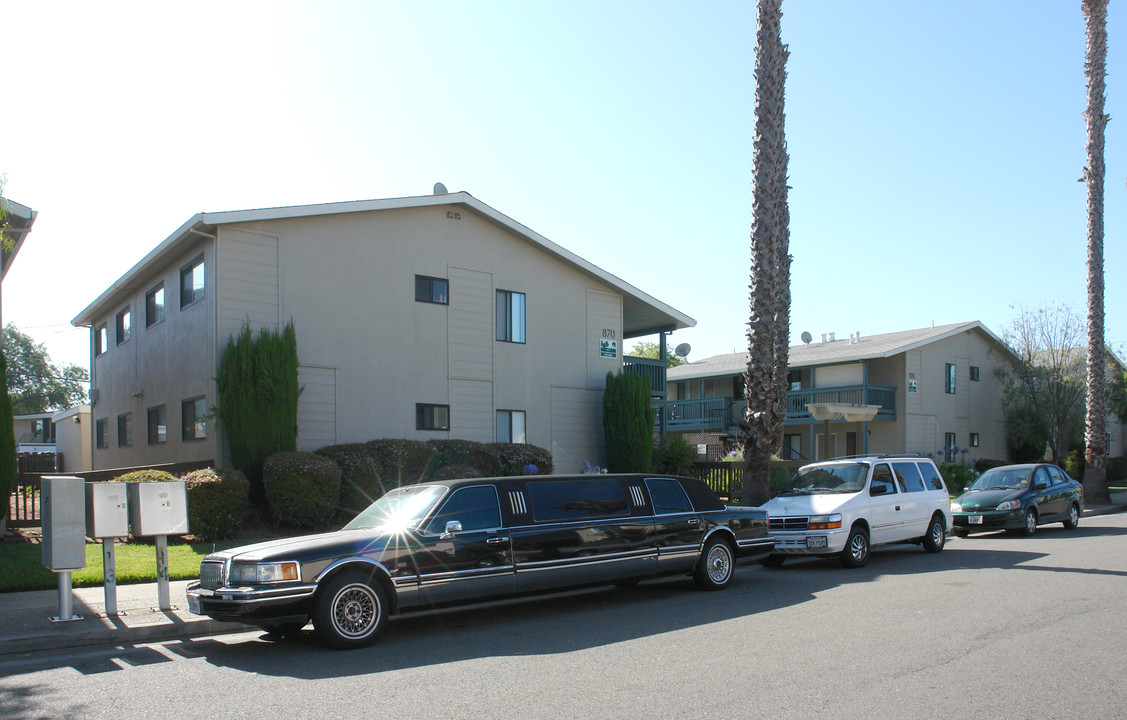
(636,495)
(516,500)
(789,523)
(211,575)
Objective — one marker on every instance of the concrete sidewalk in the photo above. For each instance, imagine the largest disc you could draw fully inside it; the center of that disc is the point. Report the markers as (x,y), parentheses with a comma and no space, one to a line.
(25,624)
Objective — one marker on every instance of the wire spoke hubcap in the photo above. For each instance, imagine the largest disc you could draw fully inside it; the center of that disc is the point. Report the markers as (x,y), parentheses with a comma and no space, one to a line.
(355,611)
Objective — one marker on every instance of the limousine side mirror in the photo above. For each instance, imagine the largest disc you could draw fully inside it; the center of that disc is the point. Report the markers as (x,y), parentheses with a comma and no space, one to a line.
(452,526)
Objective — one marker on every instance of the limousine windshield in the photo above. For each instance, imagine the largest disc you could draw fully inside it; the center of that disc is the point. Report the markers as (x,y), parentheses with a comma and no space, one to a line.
(835,478)
(401,508)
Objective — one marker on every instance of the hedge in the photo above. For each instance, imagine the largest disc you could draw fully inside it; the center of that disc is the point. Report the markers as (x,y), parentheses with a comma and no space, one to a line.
(217,502)
(302,489)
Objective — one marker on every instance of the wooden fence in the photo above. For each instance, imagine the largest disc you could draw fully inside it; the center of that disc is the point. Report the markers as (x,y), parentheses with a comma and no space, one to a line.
(726,478)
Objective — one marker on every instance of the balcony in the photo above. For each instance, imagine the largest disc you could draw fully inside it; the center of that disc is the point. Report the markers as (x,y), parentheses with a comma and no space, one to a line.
(652,370)
(720,414)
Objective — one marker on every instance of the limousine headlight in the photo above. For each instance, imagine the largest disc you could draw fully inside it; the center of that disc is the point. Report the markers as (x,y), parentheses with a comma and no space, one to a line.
(264,572)
(824,522)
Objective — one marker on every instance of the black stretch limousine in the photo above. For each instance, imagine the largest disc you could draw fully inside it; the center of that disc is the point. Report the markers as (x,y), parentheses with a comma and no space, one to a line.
(442,543)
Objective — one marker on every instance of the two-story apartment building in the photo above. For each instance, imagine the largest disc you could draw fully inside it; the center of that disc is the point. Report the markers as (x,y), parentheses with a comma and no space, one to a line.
(926,390)
(421,317)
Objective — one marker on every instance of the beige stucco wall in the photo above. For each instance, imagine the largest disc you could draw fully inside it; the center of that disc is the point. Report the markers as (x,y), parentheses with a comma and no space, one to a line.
(72,439)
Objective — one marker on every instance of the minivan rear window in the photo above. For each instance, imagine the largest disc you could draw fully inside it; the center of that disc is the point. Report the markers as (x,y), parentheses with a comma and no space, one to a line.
(908,475)
(577,499)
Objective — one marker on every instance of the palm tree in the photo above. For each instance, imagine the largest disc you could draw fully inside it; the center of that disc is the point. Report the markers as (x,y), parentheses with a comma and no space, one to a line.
(768,330)
(1095,434)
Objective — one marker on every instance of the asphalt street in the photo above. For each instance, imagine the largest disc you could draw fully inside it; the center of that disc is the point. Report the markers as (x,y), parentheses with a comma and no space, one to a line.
(993,627)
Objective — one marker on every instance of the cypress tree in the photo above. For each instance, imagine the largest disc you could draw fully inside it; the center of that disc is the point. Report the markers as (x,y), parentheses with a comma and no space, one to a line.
(628,423)
(8,466)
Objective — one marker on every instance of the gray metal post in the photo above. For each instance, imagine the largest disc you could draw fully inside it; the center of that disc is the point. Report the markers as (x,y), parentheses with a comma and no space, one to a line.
(163,596)
(66,601)
(109,572)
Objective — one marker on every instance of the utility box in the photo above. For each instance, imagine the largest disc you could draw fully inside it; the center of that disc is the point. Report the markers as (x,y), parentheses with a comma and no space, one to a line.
(107,513)
(63,512)
(158,508)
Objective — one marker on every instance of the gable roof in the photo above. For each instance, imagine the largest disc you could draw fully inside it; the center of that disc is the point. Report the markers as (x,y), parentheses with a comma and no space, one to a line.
(642,314)
(872,347)
(19,219)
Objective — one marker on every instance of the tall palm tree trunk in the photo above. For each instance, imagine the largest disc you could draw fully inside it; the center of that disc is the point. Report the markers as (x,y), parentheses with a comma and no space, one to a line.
(768,330)
(1095,433)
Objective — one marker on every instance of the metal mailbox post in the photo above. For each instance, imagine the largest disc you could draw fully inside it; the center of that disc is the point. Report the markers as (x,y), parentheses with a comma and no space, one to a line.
(107,518)
(62,509)
(159,509)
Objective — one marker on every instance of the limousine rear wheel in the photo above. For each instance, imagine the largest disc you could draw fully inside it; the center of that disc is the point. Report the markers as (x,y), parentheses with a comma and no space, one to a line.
(714,571)
(352,611)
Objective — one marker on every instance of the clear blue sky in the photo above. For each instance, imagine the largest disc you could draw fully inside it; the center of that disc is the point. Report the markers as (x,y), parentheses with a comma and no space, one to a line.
(935,145)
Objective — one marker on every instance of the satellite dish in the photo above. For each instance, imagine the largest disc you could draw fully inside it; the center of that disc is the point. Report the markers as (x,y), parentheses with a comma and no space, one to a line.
(440,189)
(806,337)
(682,350)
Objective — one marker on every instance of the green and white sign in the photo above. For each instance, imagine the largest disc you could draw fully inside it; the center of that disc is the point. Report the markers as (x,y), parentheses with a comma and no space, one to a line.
(608,349)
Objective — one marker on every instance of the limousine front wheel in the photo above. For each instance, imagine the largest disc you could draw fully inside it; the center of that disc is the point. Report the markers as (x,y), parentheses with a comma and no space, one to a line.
(714,571)
(351,611)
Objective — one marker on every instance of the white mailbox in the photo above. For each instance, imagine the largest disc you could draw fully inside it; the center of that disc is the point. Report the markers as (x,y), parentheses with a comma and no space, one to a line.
(158,508)
(107,514)
(63,512)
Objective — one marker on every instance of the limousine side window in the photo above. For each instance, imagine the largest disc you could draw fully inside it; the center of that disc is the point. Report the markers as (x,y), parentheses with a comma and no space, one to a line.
(577,499)
(668,496)
(475,507)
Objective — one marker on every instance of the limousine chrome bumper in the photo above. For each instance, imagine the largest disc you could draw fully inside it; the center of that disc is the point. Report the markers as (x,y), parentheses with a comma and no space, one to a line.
(253,605)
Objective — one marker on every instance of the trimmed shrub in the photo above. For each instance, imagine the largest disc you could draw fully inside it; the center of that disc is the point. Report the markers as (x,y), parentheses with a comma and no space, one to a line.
(1116,470)
(957,476)
(983,464)
(512,458)
(148,475)
(361,481)
(1074,465)
(673,455)
(628,423)
(217,501)
(302,489)
(399,461)
(449,454)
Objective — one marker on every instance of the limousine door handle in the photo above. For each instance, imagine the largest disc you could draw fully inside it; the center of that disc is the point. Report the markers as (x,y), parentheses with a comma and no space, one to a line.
(494,540)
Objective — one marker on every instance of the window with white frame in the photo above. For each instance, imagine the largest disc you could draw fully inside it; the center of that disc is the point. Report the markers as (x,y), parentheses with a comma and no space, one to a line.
(511,426)
(510,316)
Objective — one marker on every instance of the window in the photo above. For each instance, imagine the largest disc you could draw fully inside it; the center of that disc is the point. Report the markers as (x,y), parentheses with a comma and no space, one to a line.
(974,373)
(125,430)
(794,379)
(1058,476)
(908,475)
(101,339)
(192,283)
(158,425)
(124,328)
(949,447)
(193,419)
(882,483)
(476,508)
(510,316)
(432,290)
(578,499)
(949,385)
(432,417)
(510,426)
(792,447)
(154,306)
(41,431)
(102,433)
(974,440)
(668,496)
(931,476)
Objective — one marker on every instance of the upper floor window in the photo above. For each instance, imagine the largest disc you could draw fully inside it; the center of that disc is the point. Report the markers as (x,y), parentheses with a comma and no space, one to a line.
(432,290)
(124,325)
(974,440)
(192,283)
(193,419)
(432,417)
(125,430)
(41,431)
(101,339)
(510,316)
(974,373)
(510,426)
(949,384)
(154,306)
(102,433)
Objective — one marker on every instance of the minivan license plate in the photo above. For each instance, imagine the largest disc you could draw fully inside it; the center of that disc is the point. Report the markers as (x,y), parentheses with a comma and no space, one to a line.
(975,519)
(816,541)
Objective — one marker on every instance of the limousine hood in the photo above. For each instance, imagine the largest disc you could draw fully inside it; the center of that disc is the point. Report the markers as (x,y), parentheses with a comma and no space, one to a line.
(304,546)
(819,504)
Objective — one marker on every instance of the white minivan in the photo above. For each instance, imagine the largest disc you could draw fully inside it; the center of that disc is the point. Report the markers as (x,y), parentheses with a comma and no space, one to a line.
(843,507)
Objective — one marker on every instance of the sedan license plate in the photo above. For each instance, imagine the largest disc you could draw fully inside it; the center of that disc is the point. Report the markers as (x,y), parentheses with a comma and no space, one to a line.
(194,605)
(974,519)
(816,541)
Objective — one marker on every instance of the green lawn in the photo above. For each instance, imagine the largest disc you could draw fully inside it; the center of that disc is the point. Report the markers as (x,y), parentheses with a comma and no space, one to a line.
(136,563)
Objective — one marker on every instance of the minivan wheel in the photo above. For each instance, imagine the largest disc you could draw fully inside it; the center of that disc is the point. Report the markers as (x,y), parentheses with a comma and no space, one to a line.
(714,570)
(1073,517)
(1030,525)
(351,611)
(936,535)
(856,552)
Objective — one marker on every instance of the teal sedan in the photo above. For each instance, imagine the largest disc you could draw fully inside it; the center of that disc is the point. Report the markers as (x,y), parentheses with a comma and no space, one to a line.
(1018,498)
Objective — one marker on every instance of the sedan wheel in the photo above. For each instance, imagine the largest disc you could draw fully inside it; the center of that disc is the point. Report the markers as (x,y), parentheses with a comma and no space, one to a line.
(1073,517)
(714,570)
(856,552)
(1030,525)
(936,535)
(352,611)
